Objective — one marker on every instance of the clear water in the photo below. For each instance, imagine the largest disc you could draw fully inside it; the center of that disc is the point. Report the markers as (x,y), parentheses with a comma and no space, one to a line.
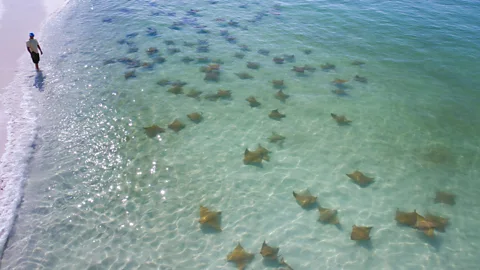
(102,195)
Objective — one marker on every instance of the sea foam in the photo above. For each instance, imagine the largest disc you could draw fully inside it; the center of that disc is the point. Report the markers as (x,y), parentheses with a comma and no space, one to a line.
(21,129)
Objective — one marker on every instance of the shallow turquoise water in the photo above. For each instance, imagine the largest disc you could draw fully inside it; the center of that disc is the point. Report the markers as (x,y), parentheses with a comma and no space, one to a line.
(102,195)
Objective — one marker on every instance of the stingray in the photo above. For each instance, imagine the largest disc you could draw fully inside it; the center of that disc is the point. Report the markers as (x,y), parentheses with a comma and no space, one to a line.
(131,63)
(177,89)
(210,218)
(264,52)
(163,82)
(151,31)
(252,157)
(360,179)
(187,59)
(276,115)
(339,81)
(195,117)
(176,25)
(147,65)
(225,94)
(298,69)
(358,63)
(203,31)
(307,51)
(305,198)
(203,60)
(231,39)
(439,154)
(203,49)
(152,50)
(210,68)
(253,101)
(340,92)
(109,61)
(212,76)
(439,222)
(263,152)
(269,252)
(278,84)
(240,257)
(176,125)
(194,93)
(253,65)
(159,59)
(233,23)
(244,75)
(192,12)
(173,50)
(341,119)
(327,67)
(244,47)
(360,233)
(278,60)
(445,197)
(328,216)
(171,42)
(281,96)
(275,137)
(406,218)
(425,225)
(255,157)
(153,131)
(239,55)
(189,44)
(360,79)
(130,74)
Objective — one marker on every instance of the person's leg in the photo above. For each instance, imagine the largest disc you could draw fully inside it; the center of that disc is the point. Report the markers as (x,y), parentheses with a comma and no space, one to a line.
(35,59)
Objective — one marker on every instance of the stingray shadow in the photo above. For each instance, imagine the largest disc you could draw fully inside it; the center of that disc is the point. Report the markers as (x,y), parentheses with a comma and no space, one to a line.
(367,244)
(339,226)
(256,164)
(435,242)
(271,263)
(206,229)
(39,81)
(301,74)
(342,86)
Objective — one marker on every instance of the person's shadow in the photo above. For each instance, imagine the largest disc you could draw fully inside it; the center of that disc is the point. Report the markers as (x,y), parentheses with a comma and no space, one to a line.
(39,81)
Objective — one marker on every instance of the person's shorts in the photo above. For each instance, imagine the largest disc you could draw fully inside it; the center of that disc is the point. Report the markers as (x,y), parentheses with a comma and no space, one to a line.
(35,57)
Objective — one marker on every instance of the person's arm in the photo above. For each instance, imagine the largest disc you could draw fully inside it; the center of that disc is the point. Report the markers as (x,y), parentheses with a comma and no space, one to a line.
(40,48)
(28,49)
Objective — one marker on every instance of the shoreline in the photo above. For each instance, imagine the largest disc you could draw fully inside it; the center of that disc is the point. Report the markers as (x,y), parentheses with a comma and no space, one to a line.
(18,19)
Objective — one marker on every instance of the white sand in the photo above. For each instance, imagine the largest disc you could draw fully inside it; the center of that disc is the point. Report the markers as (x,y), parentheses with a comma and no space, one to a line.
(17,19)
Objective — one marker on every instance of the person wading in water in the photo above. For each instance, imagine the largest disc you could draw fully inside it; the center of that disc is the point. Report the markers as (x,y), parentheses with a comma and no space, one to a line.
(33,47)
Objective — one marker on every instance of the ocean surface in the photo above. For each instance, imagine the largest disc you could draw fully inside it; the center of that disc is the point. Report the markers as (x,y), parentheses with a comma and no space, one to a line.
(98,193)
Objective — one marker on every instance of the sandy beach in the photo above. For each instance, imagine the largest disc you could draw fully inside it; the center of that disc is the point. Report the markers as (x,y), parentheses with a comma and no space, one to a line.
(17,20)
